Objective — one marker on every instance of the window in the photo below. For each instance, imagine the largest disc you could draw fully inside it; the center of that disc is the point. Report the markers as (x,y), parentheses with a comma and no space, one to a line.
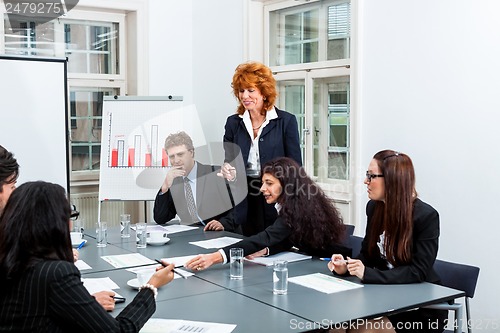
(309,51)
(309,33)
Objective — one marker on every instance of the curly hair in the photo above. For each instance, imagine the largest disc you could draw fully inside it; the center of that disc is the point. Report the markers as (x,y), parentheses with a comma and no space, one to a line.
(34,226)
(254,74)
(311,215)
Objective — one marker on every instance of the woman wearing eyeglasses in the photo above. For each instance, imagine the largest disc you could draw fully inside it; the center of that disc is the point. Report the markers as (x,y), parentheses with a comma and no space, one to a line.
(400,243)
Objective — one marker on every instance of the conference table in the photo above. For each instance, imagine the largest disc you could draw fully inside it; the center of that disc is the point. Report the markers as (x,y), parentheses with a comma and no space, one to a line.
(211,296)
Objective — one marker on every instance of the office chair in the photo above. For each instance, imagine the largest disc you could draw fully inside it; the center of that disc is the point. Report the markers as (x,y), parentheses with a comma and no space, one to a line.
(349,229)
(355,244)
(461,277)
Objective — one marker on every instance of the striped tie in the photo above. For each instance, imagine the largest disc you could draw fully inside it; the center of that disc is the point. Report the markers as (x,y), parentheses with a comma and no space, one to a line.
(190,200)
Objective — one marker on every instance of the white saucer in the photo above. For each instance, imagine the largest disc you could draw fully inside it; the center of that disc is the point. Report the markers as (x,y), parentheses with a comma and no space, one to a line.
(134,283)
(78,244)
(160,242)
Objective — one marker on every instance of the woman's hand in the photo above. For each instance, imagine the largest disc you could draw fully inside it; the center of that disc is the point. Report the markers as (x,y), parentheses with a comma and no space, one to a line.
(163,275)
(75,255)
(203,261)
(337,264)
(261,253)
(356,267)
(214,225)
(105,298)
(227,171)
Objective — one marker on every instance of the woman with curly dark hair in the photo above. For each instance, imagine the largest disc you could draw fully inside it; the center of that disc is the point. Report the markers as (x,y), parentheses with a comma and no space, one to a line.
(307,218)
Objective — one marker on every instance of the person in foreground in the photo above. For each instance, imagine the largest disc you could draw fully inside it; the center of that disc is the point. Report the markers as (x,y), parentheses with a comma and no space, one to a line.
(9,172)
(400,244)
(41,287)
(307,218)
(260,132)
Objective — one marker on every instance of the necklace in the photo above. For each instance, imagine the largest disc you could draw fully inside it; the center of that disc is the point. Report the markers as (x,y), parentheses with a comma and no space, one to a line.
(256,128)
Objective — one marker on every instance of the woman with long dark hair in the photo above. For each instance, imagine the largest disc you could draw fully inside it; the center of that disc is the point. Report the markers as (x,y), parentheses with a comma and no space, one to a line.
(307,218)
(401,240)
(41,287)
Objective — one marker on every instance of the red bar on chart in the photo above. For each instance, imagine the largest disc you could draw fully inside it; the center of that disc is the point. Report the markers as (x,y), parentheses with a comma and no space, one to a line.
(114,157)
(164,158)
(131,157)
(148,159)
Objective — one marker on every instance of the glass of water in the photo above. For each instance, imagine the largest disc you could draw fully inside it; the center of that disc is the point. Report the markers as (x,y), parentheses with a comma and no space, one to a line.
(280,277)
(142,234)
(236,263)
(125,225)
(102,234)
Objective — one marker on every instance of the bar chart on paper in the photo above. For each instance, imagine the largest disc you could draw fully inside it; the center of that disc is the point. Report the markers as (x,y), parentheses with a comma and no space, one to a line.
(133,159)
(137,149)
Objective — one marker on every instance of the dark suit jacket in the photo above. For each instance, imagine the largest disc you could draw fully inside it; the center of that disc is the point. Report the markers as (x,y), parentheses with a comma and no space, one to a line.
(280,138)
(50,297)
(277,238)
(213,199)
(425,248)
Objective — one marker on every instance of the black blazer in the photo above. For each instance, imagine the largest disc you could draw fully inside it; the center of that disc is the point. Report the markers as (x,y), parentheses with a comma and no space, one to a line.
(50,297)
(213,199)
(280,138)
(277,238)
(424,251)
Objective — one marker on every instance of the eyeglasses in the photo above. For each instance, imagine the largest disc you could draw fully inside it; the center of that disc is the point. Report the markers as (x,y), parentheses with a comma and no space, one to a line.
(370,176)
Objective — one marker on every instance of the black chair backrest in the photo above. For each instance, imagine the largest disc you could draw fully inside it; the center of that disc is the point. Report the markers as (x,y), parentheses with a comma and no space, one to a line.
(457,276)
(355,244)
(349,229)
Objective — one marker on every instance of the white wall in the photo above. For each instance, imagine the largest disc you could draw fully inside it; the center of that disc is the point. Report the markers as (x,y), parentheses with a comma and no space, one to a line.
(194,49)
(428,76)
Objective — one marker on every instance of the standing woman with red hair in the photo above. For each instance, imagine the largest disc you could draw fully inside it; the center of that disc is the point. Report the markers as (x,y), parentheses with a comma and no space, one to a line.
(260,132)
(401,241)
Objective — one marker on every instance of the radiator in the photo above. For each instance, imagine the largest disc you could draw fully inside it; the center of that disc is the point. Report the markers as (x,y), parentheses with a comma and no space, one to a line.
(88,206)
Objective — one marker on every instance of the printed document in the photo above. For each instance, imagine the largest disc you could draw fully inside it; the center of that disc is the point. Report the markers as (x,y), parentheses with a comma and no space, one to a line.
(288,256)
(216,243)
(324,283)
(157,325)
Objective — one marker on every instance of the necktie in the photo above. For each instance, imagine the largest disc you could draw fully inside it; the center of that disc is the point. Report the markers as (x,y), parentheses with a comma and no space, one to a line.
(190,200)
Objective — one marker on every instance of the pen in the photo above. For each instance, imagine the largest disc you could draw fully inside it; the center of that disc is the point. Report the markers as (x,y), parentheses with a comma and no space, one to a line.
(81,245)
(174,270)
(339,261)
(119,299)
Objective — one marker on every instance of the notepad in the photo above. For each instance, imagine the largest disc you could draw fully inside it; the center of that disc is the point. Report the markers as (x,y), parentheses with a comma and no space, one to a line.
(287,255)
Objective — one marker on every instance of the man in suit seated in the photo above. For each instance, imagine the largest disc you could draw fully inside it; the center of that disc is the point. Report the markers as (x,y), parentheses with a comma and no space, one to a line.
(192,190)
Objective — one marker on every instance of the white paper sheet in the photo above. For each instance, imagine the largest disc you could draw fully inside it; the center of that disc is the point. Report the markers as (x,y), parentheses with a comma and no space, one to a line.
(324,283)
(216,243)
(94,285)
(288,256)
(82,265)
(157,325)
(127,260)
(169,229)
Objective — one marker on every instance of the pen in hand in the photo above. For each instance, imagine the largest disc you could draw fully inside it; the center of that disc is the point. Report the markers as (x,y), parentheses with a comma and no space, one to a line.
(337,261)
(174,270)
(81,245)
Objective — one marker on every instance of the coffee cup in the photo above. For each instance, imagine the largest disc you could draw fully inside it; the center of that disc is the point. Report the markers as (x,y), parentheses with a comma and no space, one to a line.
(76,237)
(157,236)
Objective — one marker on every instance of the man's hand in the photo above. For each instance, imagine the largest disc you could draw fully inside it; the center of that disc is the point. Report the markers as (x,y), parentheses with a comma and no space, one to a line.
(214,225)
(173,173)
